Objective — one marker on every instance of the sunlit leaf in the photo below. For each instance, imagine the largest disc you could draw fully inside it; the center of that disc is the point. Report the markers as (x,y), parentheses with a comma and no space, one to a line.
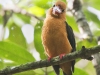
(90,69)
(36,11)
(43,3)
(72,23)
(97,32)
(25,18)
(1,19)
(17,20)
(95,3)
(37,40)
(80,72)
(17,36)
(92,17)
(39,71)
(1,63)
(14,52)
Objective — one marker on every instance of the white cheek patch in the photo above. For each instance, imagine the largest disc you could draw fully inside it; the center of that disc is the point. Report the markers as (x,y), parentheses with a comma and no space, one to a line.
(56,9)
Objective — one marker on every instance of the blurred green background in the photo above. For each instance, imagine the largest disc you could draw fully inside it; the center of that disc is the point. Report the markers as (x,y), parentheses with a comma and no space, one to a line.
(20,37)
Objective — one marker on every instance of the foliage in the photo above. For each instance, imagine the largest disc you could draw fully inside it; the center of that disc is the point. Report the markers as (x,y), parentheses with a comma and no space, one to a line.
(15,50)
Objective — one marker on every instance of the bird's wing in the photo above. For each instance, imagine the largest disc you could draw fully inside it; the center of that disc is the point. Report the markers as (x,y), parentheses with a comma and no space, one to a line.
(71,39)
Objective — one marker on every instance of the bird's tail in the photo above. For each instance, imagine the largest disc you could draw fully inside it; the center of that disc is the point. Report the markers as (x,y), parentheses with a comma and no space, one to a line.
(66,67)
(66,74)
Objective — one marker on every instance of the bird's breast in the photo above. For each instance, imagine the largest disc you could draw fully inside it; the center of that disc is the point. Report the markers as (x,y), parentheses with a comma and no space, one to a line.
(54,38)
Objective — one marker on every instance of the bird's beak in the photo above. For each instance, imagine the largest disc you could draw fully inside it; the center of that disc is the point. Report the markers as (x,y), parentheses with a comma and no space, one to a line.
(56,10)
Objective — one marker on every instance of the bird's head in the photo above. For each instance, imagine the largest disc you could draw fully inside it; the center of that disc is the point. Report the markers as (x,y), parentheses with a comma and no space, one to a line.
(58,10)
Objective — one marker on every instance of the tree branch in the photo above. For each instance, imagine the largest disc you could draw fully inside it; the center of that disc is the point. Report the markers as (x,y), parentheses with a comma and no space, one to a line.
(5,21)
(96,61)
(24,12)
(84,53)
(76,9)
(6,17)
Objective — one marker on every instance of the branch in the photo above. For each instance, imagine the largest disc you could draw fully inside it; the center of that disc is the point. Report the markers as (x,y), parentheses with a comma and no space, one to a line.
(96,61)
(76,9)
(5,21)
(24,12)
(84,53)
(6,17)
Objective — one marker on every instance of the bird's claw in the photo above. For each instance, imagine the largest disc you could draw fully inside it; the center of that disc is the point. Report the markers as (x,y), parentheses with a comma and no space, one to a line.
(61,56)
(49,58)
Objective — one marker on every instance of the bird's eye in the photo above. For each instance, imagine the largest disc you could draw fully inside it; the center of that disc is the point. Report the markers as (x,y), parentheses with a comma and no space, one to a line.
(59,5)
(53,5)
(63,10)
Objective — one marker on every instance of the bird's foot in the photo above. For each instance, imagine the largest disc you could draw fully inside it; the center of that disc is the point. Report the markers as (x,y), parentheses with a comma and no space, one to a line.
(61,55)
(49,58)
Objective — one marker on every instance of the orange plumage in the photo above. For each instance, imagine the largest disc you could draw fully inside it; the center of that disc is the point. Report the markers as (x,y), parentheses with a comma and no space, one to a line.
(54,37)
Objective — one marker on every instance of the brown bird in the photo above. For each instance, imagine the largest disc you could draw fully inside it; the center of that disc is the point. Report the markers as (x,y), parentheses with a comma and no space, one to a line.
(57,37)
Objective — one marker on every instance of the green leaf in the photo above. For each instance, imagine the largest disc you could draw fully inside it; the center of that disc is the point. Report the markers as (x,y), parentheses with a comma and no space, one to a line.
(80,72)
(26,73)
(51,73)
(24,18)
(1,19)
(92,17)
(17,36)
(39,72)
(14,53)
(17,20)
(1,63)
(37,40)
(90,68)
(97,33)
(86,43)
(38,11)
(43,3)
(72,23)
(95,4)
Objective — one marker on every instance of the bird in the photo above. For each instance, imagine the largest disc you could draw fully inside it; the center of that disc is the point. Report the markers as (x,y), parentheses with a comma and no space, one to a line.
(58,38)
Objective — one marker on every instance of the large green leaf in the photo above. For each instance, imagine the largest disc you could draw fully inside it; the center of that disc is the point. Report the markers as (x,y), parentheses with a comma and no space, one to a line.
(17,36)
(37,40)
(80,72)
(92,17)
(15,53)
